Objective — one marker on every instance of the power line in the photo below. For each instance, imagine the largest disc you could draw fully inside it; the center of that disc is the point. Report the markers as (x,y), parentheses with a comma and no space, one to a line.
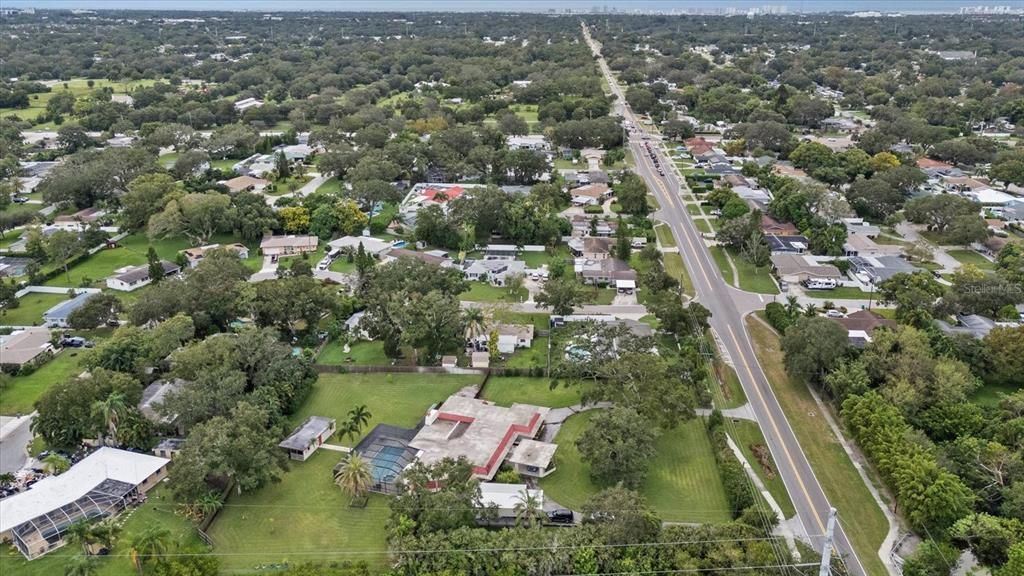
(685,570)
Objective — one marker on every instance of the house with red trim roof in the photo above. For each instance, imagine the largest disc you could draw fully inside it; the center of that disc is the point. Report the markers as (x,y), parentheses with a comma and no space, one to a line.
(485,434)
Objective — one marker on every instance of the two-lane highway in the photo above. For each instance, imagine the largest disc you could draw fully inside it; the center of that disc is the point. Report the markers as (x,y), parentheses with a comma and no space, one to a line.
(712,291)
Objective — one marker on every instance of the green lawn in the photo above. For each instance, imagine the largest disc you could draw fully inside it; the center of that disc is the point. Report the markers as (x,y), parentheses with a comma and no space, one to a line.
(224,164)
(722,261)
(598,296)
(341,264)
(157,511)
(972,257)
(534,356)
(863,520)
(507,390)
(168,160)
(732,391)
(362,353)
(30,309)
(840,293)
(747,435)
(673,263)
(665,236)
(23,391)
(305,513)
(305,517)
(989,394)
(483,292)
(702,225)
(79,87)
(891,240)
(330,186)
(131,251)
(682,483)
(538,259)
(694,210)
(753,279)
(9,238)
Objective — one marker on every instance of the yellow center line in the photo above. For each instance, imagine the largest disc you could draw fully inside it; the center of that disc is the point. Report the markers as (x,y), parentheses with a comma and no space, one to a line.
(775,428)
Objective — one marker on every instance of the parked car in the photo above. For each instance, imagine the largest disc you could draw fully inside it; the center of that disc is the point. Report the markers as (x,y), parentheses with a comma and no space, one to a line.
(561,516)
(834,314)
(75,342)
(19,199)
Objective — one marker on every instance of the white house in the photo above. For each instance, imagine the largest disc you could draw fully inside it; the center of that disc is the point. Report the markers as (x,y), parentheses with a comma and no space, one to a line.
(134,277)
(506,499)
(510,337)
(246,103)
(309,436)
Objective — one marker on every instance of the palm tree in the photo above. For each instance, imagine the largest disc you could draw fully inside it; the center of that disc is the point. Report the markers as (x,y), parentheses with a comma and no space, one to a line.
(80,532)
(359,417)
(105,533)
(353,476)
(209,504)
(110,411)
(56,464)
(6,479)
(349,430)
(475,322)
(792,306)
(810,310)
(528,509)
(80,565)
(149,544)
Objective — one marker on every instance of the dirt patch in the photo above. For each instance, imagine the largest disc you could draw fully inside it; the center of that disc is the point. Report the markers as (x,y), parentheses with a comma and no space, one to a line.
(764,458)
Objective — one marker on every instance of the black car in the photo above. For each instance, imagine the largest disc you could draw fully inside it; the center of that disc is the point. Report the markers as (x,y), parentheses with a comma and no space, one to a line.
(560,516)
(19,199)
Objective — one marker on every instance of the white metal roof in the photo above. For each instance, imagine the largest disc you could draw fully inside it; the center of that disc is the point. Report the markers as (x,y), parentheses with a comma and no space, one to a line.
(507,496)
(53,492)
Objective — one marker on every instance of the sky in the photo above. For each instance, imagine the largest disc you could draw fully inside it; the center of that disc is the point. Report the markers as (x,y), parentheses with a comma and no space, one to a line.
(512,5)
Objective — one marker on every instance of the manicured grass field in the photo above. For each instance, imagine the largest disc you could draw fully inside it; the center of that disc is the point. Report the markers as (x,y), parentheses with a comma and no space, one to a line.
(224,164)
(23,391)
(747,434)
(362,353)
(751,279)
(305,514)
(30,309)
(972,257)
(507,390)
(305,517)
(483,292)
(538,259)
(864,522)
(674,267)
(157,511)
(702,225)
(694,209)
(342,265)
(682,484)
(398,399)
(665,236)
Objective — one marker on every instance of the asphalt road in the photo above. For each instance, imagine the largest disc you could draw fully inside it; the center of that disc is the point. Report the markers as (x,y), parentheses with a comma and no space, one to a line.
(727,320)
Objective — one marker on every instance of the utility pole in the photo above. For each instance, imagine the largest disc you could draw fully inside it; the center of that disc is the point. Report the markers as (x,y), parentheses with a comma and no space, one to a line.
(826,550)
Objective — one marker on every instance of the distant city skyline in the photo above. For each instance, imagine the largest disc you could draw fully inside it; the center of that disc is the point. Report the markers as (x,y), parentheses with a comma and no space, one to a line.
(706,6)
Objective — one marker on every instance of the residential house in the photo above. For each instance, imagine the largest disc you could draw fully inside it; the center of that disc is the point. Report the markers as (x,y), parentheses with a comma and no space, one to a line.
(296,152)
(494,272)
(431,194)
(771,226)
(860,245)
(840,124)
(309,436)
(528,142)
(169,447)
(604,271)
(196,255)
(37,521)
(590,194)
(154,395)
(435,257)
(134,277)
(500,252)
(12,266)
(860,227)
(796,244)
(247,103)
(246,184)
(877,269)
(861,324)
(57,316)
(591,248)
(278,246)
(372,246)
(796,268)
(989,197)
(970,324)
(592,225)
(505,500)
(480,431)
(510,338)
(23,347)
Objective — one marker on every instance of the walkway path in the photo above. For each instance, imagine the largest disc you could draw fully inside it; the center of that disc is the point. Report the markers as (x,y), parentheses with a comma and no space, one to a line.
(556,416)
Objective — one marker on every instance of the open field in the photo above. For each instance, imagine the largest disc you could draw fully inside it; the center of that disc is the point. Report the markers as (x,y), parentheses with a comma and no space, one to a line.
(78,86)
(23,391)
(30,309)
(864,522)
(505,391)
(361,353)
(538,259)
(305,517)
(682,483)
